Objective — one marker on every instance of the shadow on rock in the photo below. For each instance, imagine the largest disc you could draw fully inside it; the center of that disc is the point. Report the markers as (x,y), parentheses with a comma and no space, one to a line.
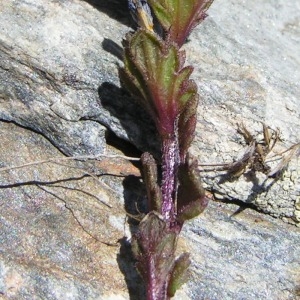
(135,205)
(256,190)
(113,48)
(115,9)
(126,264)
(139,128)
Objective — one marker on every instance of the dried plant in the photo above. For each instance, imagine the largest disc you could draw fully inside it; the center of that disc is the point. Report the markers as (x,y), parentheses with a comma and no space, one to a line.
(257,154)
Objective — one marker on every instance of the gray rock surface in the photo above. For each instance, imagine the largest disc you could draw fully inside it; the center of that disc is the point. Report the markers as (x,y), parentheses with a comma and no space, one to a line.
(59,77)
(246,58)
(65,235)
(56,225)
(59,81)
(245,256)
(53,69)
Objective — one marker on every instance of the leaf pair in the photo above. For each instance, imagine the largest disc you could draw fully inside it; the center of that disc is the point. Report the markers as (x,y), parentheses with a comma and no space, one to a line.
(154,73)
(154,246)
(190,200)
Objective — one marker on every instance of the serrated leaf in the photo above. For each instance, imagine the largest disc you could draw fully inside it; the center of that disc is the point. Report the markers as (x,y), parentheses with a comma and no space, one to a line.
(153,72)
(179,274)
(191,199)
(153,246)
(179,17)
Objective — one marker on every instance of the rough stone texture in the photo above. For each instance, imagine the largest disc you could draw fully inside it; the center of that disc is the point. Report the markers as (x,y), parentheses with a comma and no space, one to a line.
(55,222)
(59,77)
(55,227)
(53,69)
(58,70)
(247,68)
(235,257)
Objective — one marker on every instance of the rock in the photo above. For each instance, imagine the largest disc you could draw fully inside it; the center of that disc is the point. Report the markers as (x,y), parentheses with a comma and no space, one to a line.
(246,67)
(65,234)
(52,68)
(59,87)
(242,256)
(60,79)
(59,227)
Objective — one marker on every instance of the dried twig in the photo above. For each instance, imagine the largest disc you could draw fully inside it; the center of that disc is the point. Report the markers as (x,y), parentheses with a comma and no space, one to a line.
(257,154)
(293,151)
(57,159)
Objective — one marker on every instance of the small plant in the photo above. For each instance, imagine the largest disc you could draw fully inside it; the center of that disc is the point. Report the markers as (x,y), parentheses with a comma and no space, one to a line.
(155,74)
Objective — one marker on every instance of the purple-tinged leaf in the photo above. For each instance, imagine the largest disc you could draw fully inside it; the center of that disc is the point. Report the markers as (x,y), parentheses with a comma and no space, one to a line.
(191,199)
(179,17)
(186,126)
(153,246)
(154,72)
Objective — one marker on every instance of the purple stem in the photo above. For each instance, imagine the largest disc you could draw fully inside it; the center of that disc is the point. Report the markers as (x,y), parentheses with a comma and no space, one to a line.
(156,287)
(170,162)
(156,284)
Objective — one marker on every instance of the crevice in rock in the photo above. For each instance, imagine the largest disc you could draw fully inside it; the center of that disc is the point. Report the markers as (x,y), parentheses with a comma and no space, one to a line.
(35,131)
(242,205)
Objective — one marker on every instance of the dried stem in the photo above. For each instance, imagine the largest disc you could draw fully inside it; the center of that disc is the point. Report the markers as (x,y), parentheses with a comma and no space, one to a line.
(56,159)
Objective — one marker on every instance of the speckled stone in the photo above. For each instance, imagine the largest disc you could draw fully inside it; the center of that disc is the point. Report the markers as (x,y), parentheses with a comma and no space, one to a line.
(59,87)
(66,235)
(59,77)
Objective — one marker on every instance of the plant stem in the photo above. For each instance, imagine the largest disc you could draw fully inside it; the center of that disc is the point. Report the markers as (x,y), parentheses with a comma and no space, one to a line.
(170,162)
(156,291)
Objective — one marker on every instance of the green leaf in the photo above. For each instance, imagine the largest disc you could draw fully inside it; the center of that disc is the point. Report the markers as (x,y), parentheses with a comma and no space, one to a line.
(179,17)
(179,274)
(153,71)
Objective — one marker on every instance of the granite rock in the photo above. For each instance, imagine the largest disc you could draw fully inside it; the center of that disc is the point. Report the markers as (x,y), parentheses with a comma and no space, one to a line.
(60,227)
(247,70)
(59,77)
(64,234)
(53,69)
